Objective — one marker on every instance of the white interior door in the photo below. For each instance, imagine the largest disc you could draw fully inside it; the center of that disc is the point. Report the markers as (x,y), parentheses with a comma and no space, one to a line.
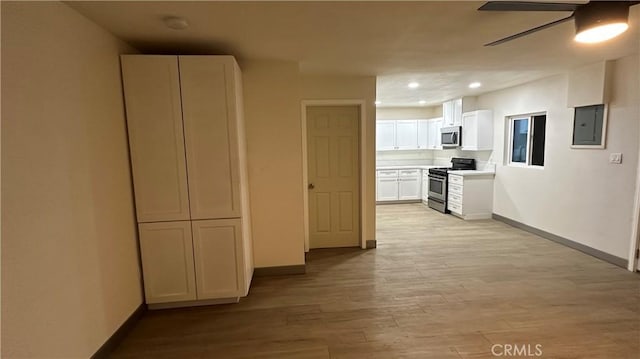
(334,185)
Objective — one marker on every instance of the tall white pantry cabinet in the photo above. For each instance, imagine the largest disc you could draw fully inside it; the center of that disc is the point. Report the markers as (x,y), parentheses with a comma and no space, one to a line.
(188,156)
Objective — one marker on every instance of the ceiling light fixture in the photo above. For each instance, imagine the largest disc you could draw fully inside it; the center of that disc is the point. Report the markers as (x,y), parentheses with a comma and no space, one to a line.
(601,21)
(176,23)
(377,102)
(413,85)
(422,102)
(474,85)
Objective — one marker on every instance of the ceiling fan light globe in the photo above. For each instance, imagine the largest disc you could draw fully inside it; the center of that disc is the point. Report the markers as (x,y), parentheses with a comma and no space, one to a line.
(601,33)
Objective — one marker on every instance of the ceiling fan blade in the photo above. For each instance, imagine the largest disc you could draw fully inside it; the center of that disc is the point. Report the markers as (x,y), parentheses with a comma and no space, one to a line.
(527,6)
(530,31)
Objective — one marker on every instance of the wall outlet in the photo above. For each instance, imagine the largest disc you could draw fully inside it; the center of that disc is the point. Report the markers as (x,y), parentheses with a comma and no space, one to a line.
(615,158)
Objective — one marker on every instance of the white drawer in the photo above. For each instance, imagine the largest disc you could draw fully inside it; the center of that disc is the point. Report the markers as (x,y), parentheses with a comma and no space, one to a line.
(455,188)
(409,173)
(455,179)
(388,173)
(454,207)
(454,198)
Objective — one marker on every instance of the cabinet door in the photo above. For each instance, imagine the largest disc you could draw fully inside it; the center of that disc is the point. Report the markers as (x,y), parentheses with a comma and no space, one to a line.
(217,246)
(407,134)
(409,188)
(211,137)
(385,135)
(156,141)
(434,133)
(469,131)
(457,112)
(425,187)
(447,113)
(167,262)
(423,134)
(387,189)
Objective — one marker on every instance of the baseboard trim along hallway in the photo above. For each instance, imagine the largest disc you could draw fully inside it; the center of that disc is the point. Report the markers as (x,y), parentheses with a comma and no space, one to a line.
(620,262)
(281,270)
(114,340)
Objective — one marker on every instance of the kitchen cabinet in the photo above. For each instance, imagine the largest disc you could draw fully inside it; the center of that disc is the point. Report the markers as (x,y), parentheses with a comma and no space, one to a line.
(477,130)
(470,196)
(406,134)
(166,249)
(423,134)
(435,125)
(385,135)
(452,113)
(425,186)
(387,185)
(217,247)
(188,155)
(409,185)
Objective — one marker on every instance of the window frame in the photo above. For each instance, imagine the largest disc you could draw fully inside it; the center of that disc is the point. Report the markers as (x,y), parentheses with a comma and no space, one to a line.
(530,128)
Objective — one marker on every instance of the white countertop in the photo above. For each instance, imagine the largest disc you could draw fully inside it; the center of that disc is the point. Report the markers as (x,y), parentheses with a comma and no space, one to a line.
(420,167)
(473,172)
(423,167)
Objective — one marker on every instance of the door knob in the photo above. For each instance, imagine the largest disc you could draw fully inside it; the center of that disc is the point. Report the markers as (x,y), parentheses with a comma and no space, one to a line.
(311,186)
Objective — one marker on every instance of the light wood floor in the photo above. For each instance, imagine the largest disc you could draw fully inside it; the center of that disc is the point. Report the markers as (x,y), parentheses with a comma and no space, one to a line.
(436,287)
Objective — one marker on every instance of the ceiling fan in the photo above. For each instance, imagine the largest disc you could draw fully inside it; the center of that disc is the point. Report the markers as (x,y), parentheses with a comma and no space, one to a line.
(595,21)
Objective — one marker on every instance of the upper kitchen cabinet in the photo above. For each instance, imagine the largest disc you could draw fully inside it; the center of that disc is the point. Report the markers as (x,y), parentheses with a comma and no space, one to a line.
(385,135)
(406,134)
(156,138)
(452,113)
(209,112)
(477,130)
(182,119)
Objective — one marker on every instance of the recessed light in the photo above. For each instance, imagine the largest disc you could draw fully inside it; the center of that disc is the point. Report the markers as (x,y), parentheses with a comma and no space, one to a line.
(176,23)
(413,85)
(474,85)
(377,102)
(422,102)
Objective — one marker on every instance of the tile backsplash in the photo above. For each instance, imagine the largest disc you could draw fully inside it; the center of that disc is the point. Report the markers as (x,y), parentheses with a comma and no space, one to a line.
(484,159)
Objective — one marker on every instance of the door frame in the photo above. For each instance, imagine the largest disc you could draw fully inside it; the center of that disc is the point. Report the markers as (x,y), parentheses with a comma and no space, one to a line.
(362,158)
(634,242)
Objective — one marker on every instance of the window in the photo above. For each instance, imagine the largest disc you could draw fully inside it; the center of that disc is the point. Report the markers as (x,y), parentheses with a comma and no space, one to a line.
(526,139)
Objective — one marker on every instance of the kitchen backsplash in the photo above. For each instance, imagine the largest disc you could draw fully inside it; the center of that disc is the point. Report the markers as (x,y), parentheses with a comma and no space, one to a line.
(484,159)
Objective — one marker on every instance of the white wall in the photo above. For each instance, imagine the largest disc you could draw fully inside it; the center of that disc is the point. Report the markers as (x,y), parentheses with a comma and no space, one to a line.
(70,274)
(274,148)
(578,195)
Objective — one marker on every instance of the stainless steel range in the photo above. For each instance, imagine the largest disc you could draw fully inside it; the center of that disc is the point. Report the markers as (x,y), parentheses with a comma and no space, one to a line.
(438,182)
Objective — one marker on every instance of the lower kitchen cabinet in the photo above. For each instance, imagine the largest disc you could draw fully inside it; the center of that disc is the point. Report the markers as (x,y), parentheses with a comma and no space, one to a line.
(425,186)
(187,261)
(167,262)
(470,197)
(409,184)
(387,185)
(217,247)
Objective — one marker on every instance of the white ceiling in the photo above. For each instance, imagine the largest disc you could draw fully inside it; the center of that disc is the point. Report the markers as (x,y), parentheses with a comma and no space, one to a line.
(438,44)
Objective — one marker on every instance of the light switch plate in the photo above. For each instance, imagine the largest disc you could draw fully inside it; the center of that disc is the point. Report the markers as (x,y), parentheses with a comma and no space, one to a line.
(615,158)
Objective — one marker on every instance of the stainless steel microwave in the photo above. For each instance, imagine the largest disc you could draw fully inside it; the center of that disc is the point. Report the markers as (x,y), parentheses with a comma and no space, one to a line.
(450,136)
